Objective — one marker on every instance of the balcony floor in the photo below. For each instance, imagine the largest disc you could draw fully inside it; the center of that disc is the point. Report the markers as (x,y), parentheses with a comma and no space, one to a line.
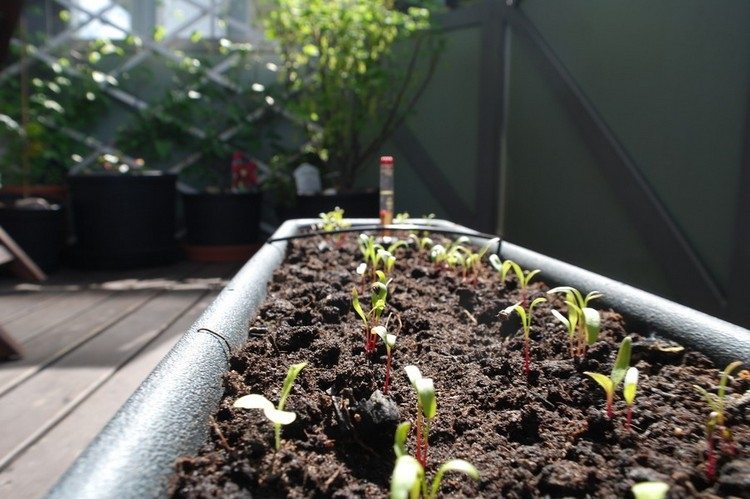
(90,338)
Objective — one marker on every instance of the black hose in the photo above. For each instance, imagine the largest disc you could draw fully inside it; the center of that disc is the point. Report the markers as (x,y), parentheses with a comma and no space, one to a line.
(379,227)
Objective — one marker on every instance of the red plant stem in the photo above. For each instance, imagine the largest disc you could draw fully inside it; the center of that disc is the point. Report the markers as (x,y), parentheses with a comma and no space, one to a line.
(526,362)
(710,458)
(418,454)
(387,373)
(610,412)
(629,419)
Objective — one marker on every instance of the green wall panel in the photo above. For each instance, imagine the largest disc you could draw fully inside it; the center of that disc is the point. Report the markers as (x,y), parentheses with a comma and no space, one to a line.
(557,201)
(670,78)
(445,120)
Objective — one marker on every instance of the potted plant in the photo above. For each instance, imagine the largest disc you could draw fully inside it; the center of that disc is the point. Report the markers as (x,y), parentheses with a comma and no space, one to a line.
(40,106)
(343,84)
(202,129)
(532,427)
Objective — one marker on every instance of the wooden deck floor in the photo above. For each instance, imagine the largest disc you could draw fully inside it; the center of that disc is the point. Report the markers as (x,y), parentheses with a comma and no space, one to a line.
(90,338)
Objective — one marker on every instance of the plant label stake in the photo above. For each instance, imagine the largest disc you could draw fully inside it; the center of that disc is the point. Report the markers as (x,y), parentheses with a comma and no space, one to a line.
(386,190)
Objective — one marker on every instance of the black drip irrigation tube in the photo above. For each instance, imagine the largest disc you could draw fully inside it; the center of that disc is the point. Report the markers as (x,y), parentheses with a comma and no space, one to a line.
(168,416)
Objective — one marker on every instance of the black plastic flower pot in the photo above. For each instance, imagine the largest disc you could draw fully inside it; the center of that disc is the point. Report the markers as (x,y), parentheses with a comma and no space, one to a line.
(40,232)
(123,221)
(168,415)
(222,219)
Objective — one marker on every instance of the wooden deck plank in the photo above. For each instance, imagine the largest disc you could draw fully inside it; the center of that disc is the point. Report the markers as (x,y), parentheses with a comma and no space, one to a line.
(39,403)
(59,339)
(37,469)
(18,299)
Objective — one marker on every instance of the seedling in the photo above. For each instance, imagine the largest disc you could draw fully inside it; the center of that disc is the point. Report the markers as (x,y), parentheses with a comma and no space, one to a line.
(401,218)
(523,277)
(408,480)
(423,242)
(471,261)
(390,341)
(377,306)
(717,420)
(376,256)
(580,315)
(333,220)
(609,383)
(277,415)
(426,410)
(526,317)
(628,393)
(650,490)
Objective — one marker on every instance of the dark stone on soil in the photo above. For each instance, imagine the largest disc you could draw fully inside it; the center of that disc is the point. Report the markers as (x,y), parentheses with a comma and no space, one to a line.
(379,416)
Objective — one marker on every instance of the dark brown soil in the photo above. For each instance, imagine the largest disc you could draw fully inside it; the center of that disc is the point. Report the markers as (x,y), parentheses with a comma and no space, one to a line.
(545,436)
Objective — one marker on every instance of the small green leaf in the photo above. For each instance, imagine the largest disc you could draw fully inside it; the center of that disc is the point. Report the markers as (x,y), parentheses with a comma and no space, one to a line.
(495,262)
(427,400)
(406,479)
(593,324)
(487,246)
(711,399)
(399,439)
(414,374)
(357,307)
(621,362)
(650,490)
(527,279)
(603,381)
(255,401)
(458,465)
(560,317)
(286,388)
(630,385)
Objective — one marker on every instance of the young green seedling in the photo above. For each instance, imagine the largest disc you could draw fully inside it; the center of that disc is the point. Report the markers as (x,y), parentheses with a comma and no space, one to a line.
(717,420)
(526,317)
(408,480)
(278,416)
(401,218)
(423,243)
(333,220)
(587,319)
(609,383)
(426,410)
(377,306)
(629,388)
(650,490)
(523,277)
(390,341)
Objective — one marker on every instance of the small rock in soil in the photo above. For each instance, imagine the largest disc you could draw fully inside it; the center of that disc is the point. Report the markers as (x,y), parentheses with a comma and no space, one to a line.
(380,416)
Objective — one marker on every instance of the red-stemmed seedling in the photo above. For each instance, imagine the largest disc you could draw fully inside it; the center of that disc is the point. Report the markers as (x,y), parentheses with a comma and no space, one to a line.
(716,421)
(586,319)
(390,341)
(372,318)
(526,317)
(426,410)
(523,277)
(609,383)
